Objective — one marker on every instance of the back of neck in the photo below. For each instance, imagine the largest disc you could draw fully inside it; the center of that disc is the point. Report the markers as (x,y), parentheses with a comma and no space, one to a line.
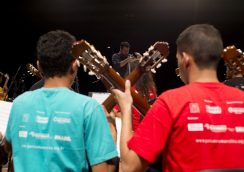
(57,82)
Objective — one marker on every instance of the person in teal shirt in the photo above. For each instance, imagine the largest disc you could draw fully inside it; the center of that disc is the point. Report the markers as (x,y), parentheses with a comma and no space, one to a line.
(54,128)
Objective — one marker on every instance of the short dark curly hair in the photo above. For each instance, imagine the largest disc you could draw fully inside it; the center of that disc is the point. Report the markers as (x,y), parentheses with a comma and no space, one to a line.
(203,42)
(54,53)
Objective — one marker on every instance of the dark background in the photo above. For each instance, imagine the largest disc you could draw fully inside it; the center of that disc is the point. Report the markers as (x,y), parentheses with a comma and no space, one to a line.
(108,22)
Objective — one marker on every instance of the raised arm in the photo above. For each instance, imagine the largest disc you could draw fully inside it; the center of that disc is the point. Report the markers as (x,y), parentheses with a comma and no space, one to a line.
(130,161)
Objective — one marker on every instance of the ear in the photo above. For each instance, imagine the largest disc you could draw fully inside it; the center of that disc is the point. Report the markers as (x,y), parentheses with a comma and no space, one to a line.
(39,68)
(186,59)
(38,64)
(74,66)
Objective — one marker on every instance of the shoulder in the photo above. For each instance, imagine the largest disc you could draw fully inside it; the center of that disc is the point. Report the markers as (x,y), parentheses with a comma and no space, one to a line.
(37,85)
(86,99)
(115,55)
(24,96)
(174,93)
(86,103)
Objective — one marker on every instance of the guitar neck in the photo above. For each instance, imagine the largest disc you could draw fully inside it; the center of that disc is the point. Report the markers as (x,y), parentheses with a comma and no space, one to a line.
(110,102)
(6,82)
(39,75)
(118,82)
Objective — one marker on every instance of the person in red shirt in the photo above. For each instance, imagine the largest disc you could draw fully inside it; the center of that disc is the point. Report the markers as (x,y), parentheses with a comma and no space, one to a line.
(199,126)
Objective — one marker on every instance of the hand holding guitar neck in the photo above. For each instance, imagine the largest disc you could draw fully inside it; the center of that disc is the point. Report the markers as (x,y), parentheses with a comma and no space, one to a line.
(129,59)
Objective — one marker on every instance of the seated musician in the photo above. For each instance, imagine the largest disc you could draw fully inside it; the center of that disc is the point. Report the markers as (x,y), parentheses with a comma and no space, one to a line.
(236,81)
(196,127)
(53,128)
(235,78)
(233,59)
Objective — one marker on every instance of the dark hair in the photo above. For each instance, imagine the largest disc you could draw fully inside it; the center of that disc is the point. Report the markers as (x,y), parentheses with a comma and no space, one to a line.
(54,53)
(124,44)
(203,42)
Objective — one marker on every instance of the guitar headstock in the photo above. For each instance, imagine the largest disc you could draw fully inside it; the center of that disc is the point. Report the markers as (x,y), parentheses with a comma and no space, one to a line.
(89,57)
(6,76)
(155,56)
(32,70)
(234,61)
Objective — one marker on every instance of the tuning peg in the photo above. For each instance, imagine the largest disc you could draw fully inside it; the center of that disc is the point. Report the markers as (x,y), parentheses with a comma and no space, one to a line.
(158,66)
(166,43)
(150,48)
(153,70)
(137,54)
(105,59)
(93,49)
(239,50)
(85,68)
(164,60)
(99,54)
(91,73)
(145,54)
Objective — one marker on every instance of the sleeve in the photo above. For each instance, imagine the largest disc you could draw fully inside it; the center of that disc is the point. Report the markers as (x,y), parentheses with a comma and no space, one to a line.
(99,143)
(115,62)
(151,135)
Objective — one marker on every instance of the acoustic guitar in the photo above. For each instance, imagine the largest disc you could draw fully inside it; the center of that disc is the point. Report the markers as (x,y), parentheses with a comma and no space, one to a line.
(98,64)
(234,61)
(33,71)
(150,61)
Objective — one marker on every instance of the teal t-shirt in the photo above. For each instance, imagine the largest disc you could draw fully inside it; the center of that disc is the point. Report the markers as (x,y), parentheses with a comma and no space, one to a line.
(56,129)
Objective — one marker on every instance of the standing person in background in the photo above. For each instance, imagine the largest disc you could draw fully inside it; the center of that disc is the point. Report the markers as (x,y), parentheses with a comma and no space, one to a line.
(195,127)
(120,60)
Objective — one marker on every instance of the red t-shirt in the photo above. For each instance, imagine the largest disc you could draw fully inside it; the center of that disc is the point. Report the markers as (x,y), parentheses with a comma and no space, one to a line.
(196,127)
